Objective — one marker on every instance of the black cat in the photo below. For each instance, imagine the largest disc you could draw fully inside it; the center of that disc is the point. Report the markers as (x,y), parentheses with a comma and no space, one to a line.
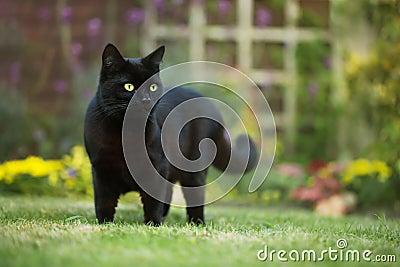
(120,79)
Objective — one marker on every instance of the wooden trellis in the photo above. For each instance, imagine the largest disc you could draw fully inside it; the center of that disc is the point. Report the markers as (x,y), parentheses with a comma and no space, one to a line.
(197,32)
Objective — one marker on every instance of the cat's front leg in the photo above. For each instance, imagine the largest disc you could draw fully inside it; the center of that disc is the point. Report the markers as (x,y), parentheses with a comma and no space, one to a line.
(105,208)
(105,201)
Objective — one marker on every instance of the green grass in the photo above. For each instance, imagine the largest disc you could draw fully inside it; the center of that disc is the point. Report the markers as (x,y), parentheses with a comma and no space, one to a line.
(61,232)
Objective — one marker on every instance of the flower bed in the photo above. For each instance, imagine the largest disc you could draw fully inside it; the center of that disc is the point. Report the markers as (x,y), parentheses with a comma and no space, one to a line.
(35,175)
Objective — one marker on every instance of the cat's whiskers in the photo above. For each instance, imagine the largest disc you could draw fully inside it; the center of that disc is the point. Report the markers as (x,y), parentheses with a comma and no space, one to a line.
(109,111)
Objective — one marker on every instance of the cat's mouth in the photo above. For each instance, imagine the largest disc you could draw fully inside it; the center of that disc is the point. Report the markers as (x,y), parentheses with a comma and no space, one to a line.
(146,107)
(146,104)
(149,108)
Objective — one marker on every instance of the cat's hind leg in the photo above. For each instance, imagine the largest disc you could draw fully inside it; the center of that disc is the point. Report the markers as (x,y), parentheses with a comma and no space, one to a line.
(194,198)
(168,199)
(153,209)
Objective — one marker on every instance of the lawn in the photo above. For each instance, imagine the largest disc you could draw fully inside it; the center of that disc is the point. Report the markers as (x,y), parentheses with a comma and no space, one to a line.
(45,231)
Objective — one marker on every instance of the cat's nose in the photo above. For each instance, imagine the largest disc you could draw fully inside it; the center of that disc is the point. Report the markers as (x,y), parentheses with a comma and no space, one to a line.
(146,100)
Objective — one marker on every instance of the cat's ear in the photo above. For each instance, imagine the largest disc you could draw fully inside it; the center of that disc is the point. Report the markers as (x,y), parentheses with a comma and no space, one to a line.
(154,58)
(111,56)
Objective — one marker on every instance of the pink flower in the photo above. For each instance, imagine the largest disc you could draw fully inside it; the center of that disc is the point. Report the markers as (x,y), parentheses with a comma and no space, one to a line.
(159,4)
(224,6)
(323,188)
(66,14)
(307,194)
(60,86)
(290,169)
(135,16)
(313,88)
(76,49)
(94,27)
(263,17)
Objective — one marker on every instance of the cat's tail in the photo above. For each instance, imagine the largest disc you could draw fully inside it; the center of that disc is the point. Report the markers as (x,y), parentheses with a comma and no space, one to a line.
(243,155)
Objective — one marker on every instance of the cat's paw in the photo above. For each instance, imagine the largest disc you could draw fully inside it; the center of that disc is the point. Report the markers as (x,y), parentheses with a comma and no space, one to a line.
(197,221)
(154,223)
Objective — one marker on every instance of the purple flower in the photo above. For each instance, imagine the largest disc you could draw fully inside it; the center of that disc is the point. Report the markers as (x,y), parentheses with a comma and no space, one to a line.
(94,27)
(135,16)
(15,72)
(159,4)
(224,6)
(44,13)
(178,2)
(60,86)
(263,17)
(72,173)
(76,49)
(327,62)
(66,14)
(313,88)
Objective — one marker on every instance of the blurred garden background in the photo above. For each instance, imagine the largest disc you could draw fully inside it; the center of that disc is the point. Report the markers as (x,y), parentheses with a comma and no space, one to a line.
(330,71)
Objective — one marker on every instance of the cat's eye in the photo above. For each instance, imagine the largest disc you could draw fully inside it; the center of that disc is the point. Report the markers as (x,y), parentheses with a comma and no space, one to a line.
(153,87)
(129,87)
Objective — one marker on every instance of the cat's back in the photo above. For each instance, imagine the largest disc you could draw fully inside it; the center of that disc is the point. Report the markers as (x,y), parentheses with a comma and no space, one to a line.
(180,94)
(176,96)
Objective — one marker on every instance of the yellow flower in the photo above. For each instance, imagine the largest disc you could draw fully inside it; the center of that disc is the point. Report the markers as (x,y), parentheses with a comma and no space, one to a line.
(353,64)
(70,183)
(73,171)
(53,178)
(8,179)
(382,169)
(33,166)
(37,167)
(363,167)
(327,171)
(347,179)
(77,157)
(2,172)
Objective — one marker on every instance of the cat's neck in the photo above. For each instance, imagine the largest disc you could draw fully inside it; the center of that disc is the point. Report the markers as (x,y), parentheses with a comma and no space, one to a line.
(106,114)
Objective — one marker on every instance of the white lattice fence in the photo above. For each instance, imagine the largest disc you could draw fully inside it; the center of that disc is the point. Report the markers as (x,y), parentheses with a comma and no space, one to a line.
(244,33)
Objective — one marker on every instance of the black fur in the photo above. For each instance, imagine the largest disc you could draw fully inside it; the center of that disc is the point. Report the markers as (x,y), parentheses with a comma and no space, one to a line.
(103,137)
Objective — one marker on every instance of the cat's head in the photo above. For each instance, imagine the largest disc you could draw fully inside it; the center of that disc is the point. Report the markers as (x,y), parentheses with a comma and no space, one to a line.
(121,78)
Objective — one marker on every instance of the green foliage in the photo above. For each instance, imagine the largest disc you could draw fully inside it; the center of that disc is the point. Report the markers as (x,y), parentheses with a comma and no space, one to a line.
(16,135)
(29,130)
(374,83)
(372,181)
(316,115)
(278,187)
